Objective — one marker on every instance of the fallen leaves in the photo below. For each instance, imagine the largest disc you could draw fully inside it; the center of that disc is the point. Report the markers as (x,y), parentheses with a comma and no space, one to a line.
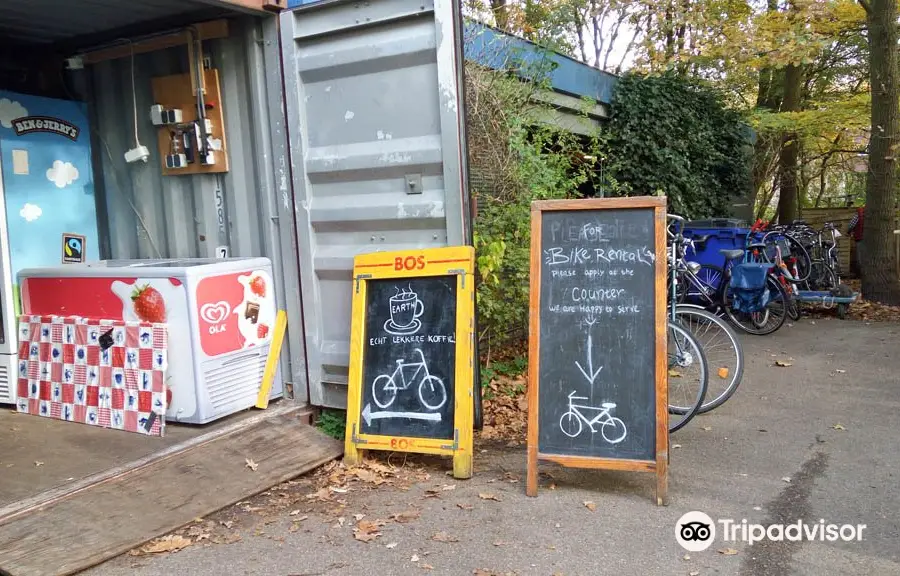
(723,372)
(170,543)
(368,530)
(407,516)
(464,506)
(673,373)
(391,546)
(198,533)
(251,464)
(505,410)
(786,479)
(728,551)
(489,496)
(783,363)
(590,506)
(444,537)
(839,426)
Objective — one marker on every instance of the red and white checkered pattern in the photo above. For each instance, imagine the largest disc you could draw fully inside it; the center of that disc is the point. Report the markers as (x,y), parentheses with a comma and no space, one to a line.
(65,373)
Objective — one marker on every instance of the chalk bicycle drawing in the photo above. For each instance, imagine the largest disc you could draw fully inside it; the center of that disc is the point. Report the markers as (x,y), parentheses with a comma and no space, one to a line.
(571,422)
(432,393)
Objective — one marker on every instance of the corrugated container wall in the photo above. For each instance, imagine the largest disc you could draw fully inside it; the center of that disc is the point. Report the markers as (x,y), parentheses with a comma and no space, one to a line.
(154,216)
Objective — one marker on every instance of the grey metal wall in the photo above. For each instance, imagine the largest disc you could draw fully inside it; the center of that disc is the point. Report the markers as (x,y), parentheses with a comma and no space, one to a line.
(155,216)
(373,96)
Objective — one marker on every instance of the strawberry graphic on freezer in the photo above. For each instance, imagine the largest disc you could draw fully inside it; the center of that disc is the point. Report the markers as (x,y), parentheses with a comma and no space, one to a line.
(220,315)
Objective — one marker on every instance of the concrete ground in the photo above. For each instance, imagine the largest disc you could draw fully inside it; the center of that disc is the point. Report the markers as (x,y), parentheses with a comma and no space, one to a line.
(41,454)
(813,440)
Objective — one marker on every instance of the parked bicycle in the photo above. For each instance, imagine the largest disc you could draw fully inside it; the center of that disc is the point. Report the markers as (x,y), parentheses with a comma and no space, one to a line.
(720,343)
(709,286)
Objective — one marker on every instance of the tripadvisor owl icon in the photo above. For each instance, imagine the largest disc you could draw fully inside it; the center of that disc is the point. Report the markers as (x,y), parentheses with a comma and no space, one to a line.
(695,531)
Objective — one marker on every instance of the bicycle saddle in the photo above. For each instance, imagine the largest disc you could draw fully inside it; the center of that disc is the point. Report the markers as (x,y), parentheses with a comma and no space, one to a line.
(608,405)
(731,254)
(702,239)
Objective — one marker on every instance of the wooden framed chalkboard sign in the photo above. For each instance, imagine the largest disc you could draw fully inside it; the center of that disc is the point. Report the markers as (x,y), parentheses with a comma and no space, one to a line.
(597,380)
(411,355)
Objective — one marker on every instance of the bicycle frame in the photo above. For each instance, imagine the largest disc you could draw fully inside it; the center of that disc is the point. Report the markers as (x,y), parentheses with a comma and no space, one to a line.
(401,364)
(574,408)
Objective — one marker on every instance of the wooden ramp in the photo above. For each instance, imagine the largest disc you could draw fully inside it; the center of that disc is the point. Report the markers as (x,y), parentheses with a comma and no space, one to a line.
(106,519)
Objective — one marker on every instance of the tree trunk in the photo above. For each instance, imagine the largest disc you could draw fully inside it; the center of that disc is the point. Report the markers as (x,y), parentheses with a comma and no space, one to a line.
(501,13)
(880,277)
(768,97)
(788,202)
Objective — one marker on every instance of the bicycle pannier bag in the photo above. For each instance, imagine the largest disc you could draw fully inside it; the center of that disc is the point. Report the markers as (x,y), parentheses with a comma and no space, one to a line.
(748,287)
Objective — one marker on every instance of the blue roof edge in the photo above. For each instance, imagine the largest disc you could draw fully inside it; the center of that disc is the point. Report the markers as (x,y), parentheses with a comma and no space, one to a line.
(499,50)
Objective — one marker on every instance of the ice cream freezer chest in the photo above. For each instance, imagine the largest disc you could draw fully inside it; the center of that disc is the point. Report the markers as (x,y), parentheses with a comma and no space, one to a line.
(220,314)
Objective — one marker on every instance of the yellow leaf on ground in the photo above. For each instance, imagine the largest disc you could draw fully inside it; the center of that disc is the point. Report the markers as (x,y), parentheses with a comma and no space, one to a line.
(723,372)
(251,464)
(839,427)
(590,506)
(170,543)
(783,364)
(366,536)
(728,551)
(444,537)
(465,506)
(489,496)
(674,373)
(407,516)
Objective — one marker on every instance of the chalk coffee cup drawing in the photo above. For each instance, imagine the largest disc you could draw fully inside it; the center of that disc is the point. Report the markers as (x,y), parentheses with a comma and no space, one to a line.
(405,309)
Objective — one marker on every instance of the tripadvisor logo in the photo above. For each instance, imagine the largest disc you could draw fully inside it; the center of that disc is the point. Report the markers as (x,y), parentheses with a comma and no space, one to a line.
(696,531)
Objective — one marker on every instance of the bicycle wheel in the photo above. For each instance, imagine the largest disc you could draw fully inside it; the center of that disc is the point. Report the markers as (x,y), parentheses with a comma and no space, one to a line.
(709,278)
(724,354)
(822,277)
(804,261)
(432,393)
(617,430)
(570,424)
(765,321)
(687,376)
(384,391)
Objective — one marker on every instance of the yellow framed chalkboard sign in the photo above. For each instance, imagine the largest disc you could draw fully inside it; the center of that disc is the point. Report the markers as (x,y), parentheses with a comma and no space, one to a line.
(411,355)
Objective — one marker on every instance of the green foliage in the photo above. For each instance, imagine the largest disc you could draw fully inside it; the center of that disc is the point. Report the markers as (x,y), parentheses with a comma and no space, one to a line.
(333,423)
(544,169)
(509,368)
(671,135)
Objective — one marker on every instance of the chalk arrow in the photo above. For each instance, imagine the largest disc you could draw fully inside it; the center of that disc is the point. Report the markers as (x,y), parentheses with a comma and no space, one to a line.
(590,374)
(368,415)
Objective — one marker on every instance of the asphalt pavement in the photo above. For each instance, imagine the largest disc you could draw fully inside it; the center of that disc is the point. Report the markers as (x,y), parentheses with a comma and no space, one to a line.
(815,440)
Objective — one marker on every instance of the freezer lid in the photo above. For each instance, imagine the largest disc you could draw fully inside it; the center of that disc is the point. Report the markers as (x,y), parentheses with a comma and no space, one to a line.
(374,108)
(150,267)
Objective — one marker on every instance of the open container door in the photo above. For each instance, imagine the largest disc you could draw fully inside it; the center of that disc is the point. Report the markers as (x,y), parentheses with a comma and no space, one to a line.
(374,103)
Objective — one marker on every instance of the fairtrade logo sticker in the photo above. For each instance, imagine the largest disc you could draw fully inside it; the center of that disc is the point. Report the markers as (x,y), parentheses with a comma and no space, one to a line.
(72,248)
